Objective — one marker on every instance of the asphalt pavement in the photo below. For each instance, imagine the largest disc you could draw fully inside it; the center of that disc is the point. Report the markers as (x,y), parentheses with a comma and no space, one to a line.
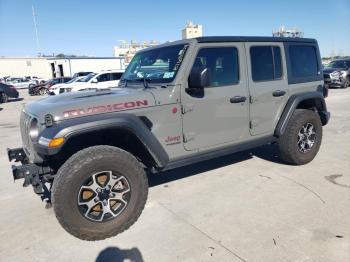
(243,207)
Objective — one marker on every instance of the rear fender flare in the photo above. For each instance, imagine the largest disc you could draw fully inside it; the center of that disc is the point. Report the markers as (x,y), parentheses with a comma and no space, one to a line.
(293,103)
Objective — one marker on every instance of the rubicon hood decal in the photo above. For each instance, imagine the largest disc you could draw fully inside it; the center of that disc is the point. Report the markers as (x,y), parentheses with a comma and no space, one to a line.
(104,108)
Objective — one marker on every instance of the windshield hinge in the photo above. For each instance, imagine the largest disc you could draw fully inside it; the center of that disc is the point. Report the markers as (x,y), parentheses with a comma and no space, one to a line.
(188,137)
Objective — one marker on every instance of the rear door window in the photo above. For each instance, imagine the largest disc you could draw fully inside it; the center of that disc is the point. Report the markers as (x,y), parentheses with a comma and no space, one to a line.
(116,76)
(103,77)
(266,63)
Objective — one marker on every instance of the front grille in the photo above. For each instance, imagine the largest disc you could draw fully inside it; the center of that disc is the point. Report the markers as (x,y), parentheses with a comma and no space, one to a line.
(61,90)
(24,125)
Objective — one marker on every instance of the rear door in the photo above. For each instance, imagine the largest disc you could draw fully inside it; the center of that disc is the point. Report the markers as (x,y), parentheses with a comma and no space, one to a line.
(217,115)
(103,81)
(268,85)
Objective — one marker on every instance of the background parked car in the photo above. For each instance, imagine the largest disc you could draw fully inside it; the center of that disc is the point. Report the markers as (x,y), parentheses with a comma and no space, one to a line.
(43,89)
(39,80)
(337,73)
(81,74)
(55,89)
(6,92)
(22,82)
(101,80)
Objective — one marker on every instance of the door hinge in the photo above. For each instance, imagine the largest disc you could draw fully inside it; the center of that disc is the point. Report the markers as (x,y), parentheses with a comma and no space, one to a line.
(252,124)
(188,137)
(186,108)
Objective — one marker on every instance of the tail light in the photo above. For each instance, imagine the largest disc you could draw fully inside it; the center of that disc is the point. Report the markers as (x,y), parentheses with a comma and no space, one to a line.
(13,88)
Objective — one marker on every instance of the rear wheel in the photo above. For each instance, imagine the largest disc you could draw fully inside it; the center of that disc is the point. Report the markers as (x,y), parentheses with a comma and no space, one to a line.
(302,138)
(42,91)
(3,98)
(99,192)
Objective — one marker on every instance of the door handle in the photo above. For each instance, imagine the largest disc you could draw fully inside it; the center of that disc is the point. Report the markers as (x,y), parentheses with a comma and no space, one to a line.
(278,93)
(237,99)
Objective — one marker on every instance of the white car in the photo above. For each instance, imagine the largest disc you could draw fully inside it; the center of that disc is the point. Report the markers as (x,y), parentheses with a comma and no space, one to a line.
(55,89)
(101,80)
(22,83)
(40,80)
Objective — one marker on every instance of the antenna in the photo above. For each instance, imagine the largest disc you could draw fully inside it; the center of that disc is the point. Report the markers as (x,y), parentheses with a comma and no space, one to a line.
(36,31)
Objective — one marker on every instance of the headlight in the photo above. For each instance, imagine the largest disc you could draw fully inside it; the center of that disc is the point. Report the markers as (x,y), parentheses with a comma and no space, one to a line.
(34,129)
(343,73)
(335,74)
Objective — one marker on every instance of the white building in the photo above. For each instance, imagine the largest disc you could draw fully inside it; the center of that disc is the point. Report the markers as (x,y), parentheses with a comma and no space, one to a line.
(49,67)
(191,31)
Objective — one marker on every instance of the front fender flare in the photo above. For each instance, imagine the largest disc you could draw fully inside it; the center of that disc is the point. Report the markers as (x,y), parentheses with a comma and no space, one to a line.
(73,127)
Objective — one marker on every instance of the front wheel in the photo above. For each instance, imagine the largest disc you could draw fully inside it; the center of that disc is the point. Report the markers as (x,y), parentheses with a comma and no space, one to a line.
(3,98)
(302,139)
(347,82)
(99,192)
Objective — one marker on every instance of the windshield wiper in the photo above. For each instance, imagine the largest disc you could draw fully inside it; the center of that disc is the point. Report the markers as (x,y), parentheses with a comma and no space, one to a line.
(145,81)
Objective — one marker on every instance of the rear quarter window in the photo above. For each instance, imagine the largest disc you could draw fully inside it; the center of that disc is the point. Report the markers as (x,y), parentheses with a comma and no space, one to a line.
(303,62)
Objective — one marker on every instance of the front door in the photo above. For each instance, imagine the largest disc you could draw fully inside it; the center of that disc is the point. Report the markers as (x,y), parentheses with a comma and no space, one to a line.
(217,115)
(268,85)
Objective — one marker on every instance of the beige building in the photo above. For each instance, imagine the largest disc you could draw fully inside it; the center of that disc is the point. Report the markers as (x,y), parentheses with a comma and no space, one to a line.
(191,31)
(128,49)
(49,67)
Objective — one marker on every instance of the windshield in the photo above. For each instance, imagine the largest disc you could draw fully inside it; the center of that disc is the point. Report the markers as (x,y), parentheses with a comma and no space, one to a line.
(72,80)
(87,78)
(337,64)
(157,65)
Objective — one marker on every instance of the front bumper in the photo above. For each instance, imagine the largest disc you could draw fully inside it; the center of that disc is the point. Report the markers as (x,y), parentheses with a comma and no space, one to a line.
(334,82)
(33,174)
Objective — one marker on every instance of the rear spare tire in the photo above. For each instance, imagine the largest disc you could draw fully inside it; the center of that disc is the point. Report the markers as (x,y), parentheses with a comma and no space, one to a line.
(99,192)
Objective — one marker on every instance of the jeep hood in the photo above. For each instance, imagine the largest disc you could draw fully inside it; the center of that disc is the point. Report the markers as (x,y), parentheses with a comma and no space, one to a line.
(84,103)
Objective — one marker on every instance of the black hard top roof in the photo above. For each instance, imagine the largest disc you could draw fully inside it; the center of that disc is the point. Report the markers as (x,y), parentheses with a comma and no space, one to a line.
(215,39)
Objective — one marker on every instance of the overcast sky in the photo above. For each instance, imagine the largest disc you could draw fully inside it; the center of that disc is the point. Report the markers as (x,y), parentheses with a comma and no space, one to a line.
(92,28)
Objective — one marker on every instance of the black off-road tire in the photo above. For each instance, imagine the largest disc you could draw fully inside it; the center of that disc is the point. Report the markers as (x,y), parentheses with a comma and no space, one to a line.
(79,167)
(43,91)
(347,82)
(3,98)
(288,142)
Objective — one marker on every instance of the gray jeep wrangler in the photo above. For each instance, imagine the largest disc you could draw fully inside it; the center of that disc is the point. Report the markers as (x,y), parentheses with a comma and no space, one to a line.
(178,103)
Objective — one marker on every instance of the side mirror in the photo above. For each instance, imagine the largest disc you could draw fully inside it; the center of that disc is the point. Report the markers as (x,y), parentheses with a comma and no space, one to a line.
(94,81)
(199,78)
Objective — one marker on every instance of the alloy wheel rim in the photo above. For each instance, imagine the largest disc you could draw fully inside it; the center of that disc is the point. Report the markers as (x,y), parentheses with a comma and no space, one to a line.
(306,138)
(103,196)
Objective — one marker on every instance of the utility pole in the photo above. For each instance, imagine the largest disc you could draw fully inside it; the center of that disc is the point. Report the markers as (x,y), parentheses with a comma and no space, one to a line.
(36,31)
